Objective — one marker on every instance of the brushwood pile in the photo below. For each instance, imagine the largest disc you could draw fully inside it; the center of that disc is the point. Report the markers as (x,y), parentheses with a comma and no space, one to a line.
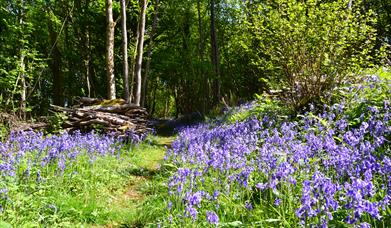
(115,117)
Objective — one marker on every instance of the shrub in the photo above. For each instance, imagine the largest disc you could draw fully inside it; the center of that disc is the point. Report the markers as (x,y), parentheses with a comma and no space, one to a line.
(311,47)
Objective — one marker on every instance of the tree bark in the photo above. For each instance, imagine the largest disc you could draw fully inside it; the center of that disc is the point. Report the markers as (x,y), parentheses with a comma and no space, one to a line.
(22,74)
(125,51)
(149,55)
(55,66)
(24,87)
(83,32)
(200,33)
(88,63)
(215,50)
(152,109)
(110,50)
(85,39)
(201,51)
(132,94)
(140,47)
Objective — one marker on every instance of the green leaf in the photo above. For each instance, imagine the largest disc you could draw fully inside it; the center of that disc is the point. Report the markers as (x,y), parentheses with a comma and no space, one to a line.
(233,224)
(5,225)
(272,220)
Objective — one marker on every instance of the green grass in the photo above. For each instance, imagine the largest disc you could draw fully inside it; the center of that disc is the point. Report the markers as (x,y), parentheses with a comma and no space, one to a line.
(151,208)
(108,193)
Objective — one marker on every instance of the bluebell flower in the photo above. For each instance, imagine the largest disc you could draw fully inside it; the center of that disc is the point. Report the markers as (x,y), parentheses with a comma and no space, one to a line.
(212,217)
(191,212)
(248,206)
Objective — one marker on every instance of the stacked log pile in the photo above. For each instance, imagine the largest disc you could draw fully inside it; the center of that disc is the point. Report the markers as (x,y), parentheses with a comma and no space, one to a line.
(111,116)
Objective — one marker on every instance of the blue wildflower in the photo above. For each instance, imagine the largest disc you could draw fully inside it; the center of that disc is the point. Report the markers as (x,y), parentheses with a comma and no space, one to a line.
(212,217)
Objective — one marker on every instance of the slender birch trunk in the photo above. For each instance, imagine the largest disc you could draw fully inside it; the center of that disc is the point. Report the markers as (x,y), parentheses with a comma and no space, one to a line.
(110,50)
(140,49)
(149,55)
(125,51)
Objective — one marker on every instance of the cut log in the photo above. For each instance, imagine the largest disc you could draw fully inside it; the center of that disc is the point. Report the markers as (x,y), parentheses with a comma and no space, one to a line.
(112,108)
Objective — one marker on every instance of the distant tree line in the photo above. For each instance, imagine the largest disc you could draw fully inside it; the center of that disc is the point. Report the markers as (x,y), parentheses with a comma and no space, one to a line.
(181,56)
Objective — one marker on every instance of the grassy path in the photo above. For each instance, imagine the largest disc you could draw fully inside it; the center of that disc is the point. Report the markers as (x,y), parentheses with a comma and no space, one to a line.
(137,200)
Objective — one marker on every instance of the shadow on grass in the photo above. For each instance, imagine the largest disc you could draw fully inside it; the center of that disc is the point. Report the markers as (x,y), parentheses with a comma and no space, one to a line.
(162,142)
(164,170)
(150,187)
(143,172)
(147,190)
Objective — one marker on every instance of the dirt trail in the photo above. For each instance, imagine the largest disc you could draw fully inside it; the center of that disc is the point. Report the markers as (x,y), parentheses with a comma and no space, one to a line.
(141,175)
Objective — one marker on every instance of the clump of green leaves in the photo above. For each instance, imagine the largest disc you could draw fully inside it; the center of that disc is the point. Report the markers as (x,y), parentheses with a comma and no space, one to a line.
(308,48)
(56,122)
(4,130)
(374,91)
(264,105)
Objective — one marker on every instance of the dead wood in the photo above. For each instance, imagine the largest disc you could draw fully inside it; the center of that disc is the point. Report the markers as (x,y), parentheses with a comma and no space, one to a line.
(111,116)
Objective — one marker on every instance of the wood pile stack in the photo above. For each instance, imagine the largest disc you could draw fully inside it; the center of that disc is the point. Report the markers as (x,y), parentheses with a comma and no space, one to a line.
(114,116)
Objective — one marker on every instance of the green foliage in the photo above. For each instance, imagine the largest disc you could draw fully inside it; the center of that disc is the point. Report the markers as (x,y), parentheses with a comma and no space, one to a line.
(4,131)
(56,122)
(374,91)
(309,48)
(383,25)
(284,44)
(5,122)
(264,105)
(19,55)
(164,106)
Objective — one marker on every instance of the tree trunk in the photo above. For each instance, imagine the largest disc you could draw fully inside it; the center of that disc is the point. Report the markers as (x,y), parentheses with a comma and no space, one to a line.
(200,33)
(154,91)
(201,51)
(132,95)
(140,47)
(110,50)
(149,55)
(55,66)
(125,51)
(24,87)
(215,51)
(85,39)
(84,46)
(22,74)
(88,63)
